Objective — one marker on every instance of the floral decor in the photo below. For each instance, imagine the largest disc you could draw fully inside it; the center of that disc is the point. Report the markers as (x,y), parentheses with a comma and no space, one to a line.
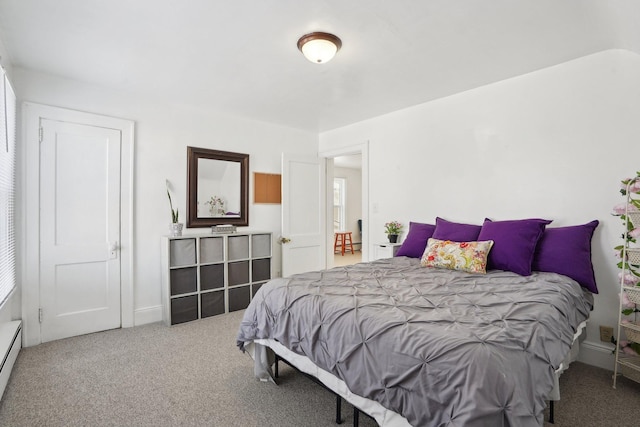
(463,256)
(630,273)
(174,213)
(629,348)
(216,205)
(629,276)
(393,227)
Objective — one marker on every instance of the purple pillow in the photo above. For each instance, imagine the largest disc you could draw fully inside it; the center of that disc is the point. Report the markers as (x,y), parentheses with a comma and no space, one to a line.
(456,232)
(416,241)
(514,245)
(567,251)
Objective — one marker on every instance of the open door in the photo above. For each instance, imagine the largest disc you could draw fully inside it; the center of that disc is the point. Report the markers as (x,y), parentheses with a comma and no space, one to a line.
(303,223)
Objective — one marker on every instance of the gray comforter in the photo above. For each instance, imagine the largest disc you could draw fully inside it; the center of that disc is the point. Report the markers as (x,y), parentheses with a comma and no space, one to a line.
(439,347)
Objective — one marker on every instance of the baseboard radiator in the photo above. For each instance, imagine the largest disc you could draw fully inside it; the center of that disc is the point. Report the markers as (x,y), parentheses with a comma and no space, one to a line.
(10,344)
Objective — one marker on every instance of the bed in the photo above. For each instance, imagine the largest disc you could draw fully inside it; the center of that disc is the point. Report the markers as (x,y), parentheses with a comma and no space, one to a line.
(411,345)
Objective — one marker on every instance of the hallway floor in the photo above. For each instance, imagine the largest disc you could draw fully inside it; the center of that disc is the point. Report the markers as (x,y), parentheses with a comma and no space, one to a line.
(347,259)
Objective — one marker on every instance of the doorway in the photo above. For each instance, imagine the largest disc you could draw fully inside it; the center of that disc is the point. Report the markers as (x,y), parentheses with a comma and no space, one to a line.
(350,161)
(347,209)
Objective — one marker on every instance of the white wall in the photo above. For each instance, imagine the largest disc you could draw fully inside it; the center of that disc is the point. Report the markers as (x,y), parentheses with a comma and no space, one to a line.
(5,61)
(161,136)
(553,144)
(354,198)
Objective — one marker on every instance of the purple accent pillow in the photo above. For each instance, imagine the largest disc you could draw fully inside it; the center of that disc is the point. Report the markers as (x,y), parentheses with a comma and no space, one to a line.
(567,251)
(514,245)
(456,232)
(416,240)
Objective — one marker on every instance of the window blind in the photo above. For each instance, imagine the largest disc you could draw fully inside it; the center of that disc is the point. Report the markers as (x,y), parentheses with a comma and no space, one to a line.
(7,188)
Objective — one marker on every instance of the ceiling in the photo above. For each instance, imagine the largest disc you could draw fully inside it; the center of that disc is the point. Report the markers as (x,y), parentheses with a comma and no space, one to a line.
(240,57)
(353,161)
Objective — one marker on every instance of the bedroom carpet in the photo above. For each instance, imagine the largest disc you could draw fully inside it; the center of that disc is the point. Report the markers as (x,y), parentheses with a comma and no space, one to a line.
(194,375)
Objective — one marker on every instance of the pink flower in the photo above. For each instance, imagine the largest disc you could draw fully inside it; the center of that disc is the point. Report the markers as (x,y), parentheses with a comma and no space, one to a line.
(635,233)
(628,279)
(622,208)
(629,351)
(619,209)
(626,302)
(634,187)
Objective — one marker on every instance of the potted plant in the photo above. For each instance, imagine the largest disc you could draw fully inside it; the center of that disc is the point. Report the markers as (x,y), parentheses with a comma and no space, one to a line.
(176,226)
(393,229)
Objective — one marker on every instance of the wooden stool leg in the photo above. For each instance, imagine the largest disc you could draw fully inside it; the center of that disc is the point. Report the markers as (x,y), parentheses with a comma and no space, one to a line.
(343,242)
(350,242)
(335,243)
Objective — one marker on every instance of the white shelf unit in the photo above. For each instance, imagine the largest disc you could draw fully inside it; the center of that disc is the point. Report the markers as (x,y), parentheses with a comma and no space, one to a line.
(626,365)
(385,250)
(209,274)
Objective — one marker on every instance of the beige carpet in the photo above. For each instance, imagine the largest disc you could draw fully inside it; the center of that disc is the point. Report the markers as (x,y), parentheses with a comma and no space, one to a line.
(194,375)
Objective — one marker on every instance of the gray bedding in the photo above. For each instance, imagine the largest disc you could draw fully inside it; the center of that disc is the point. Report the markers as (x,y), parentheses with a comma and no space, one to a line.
(439,347)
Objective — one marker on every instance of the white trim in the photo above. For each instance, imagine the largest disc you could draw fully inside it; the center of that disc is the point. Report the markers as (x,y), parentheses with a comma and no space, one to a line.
(342,184)
(126,225)
(148,315)
(363,150)
(10,344)
(30,203)
(597,354)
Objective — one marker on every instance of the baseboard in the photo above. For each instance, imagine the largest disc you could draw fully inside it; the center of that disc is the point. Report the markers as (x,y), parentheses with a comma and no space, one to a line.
(597,354)
(10,344)
(145,315)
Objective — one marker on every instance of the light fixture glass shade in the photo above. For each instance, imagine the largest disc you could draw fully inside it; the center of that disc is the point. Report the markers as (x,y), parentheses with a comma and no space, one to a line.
(319,47)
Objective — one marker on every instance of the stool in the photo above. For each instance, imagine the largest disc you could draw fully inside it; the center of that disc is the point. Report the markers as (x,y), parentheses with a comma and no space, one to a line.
(342,240)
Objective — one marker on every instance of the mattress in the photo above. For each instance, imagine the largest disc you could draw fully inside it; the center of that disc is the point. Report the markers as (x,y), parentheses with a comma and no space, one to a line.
(428,346)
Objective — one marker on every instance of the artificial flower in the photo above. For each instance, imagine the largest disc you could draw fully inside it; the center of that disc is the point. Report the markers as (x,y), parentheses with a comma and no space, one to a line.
(633,188)
(393,227)
(626,302)
(628,279)
(623,208)
(175,215)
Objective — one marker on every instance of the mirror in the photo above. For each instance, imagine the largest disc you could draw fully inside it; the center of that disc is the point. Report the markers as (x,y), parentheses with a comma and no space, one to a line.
(217,188)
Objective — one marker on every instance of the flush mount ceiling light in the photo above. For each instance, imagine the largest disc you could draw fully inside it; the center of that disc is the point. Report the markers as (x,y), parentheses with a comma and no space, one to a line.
(319,47)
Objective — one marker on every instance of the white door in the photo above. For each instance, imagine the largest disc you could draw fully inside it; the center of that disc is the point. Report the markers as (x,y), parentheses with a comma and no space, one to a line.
(303,224)
(79,229)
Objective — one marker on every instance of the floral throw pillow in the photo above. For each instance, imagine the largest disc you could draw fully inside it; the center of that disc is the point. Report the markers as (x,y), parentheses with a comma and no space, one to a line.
(462,256)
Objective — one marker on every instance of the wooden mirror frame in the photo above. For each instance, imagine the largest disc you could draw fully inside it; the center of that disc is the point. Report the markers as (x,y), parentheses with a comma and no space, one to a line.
(193,155)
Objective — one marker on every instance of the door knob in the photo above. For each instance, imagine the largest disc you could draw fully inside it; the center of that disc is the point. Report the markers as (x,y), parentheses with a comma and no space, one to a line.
(113,248)
(284,240)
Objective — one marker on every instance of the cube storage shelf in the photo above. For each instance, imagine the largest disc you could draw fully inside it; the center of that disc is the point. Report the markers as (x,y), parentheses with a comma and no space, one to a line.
(210,274)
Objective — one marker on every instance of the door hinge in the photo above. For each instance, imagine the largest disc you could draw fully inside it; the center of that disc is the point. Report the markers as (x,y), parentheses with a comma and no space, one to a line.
(40,133)
(40,315)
